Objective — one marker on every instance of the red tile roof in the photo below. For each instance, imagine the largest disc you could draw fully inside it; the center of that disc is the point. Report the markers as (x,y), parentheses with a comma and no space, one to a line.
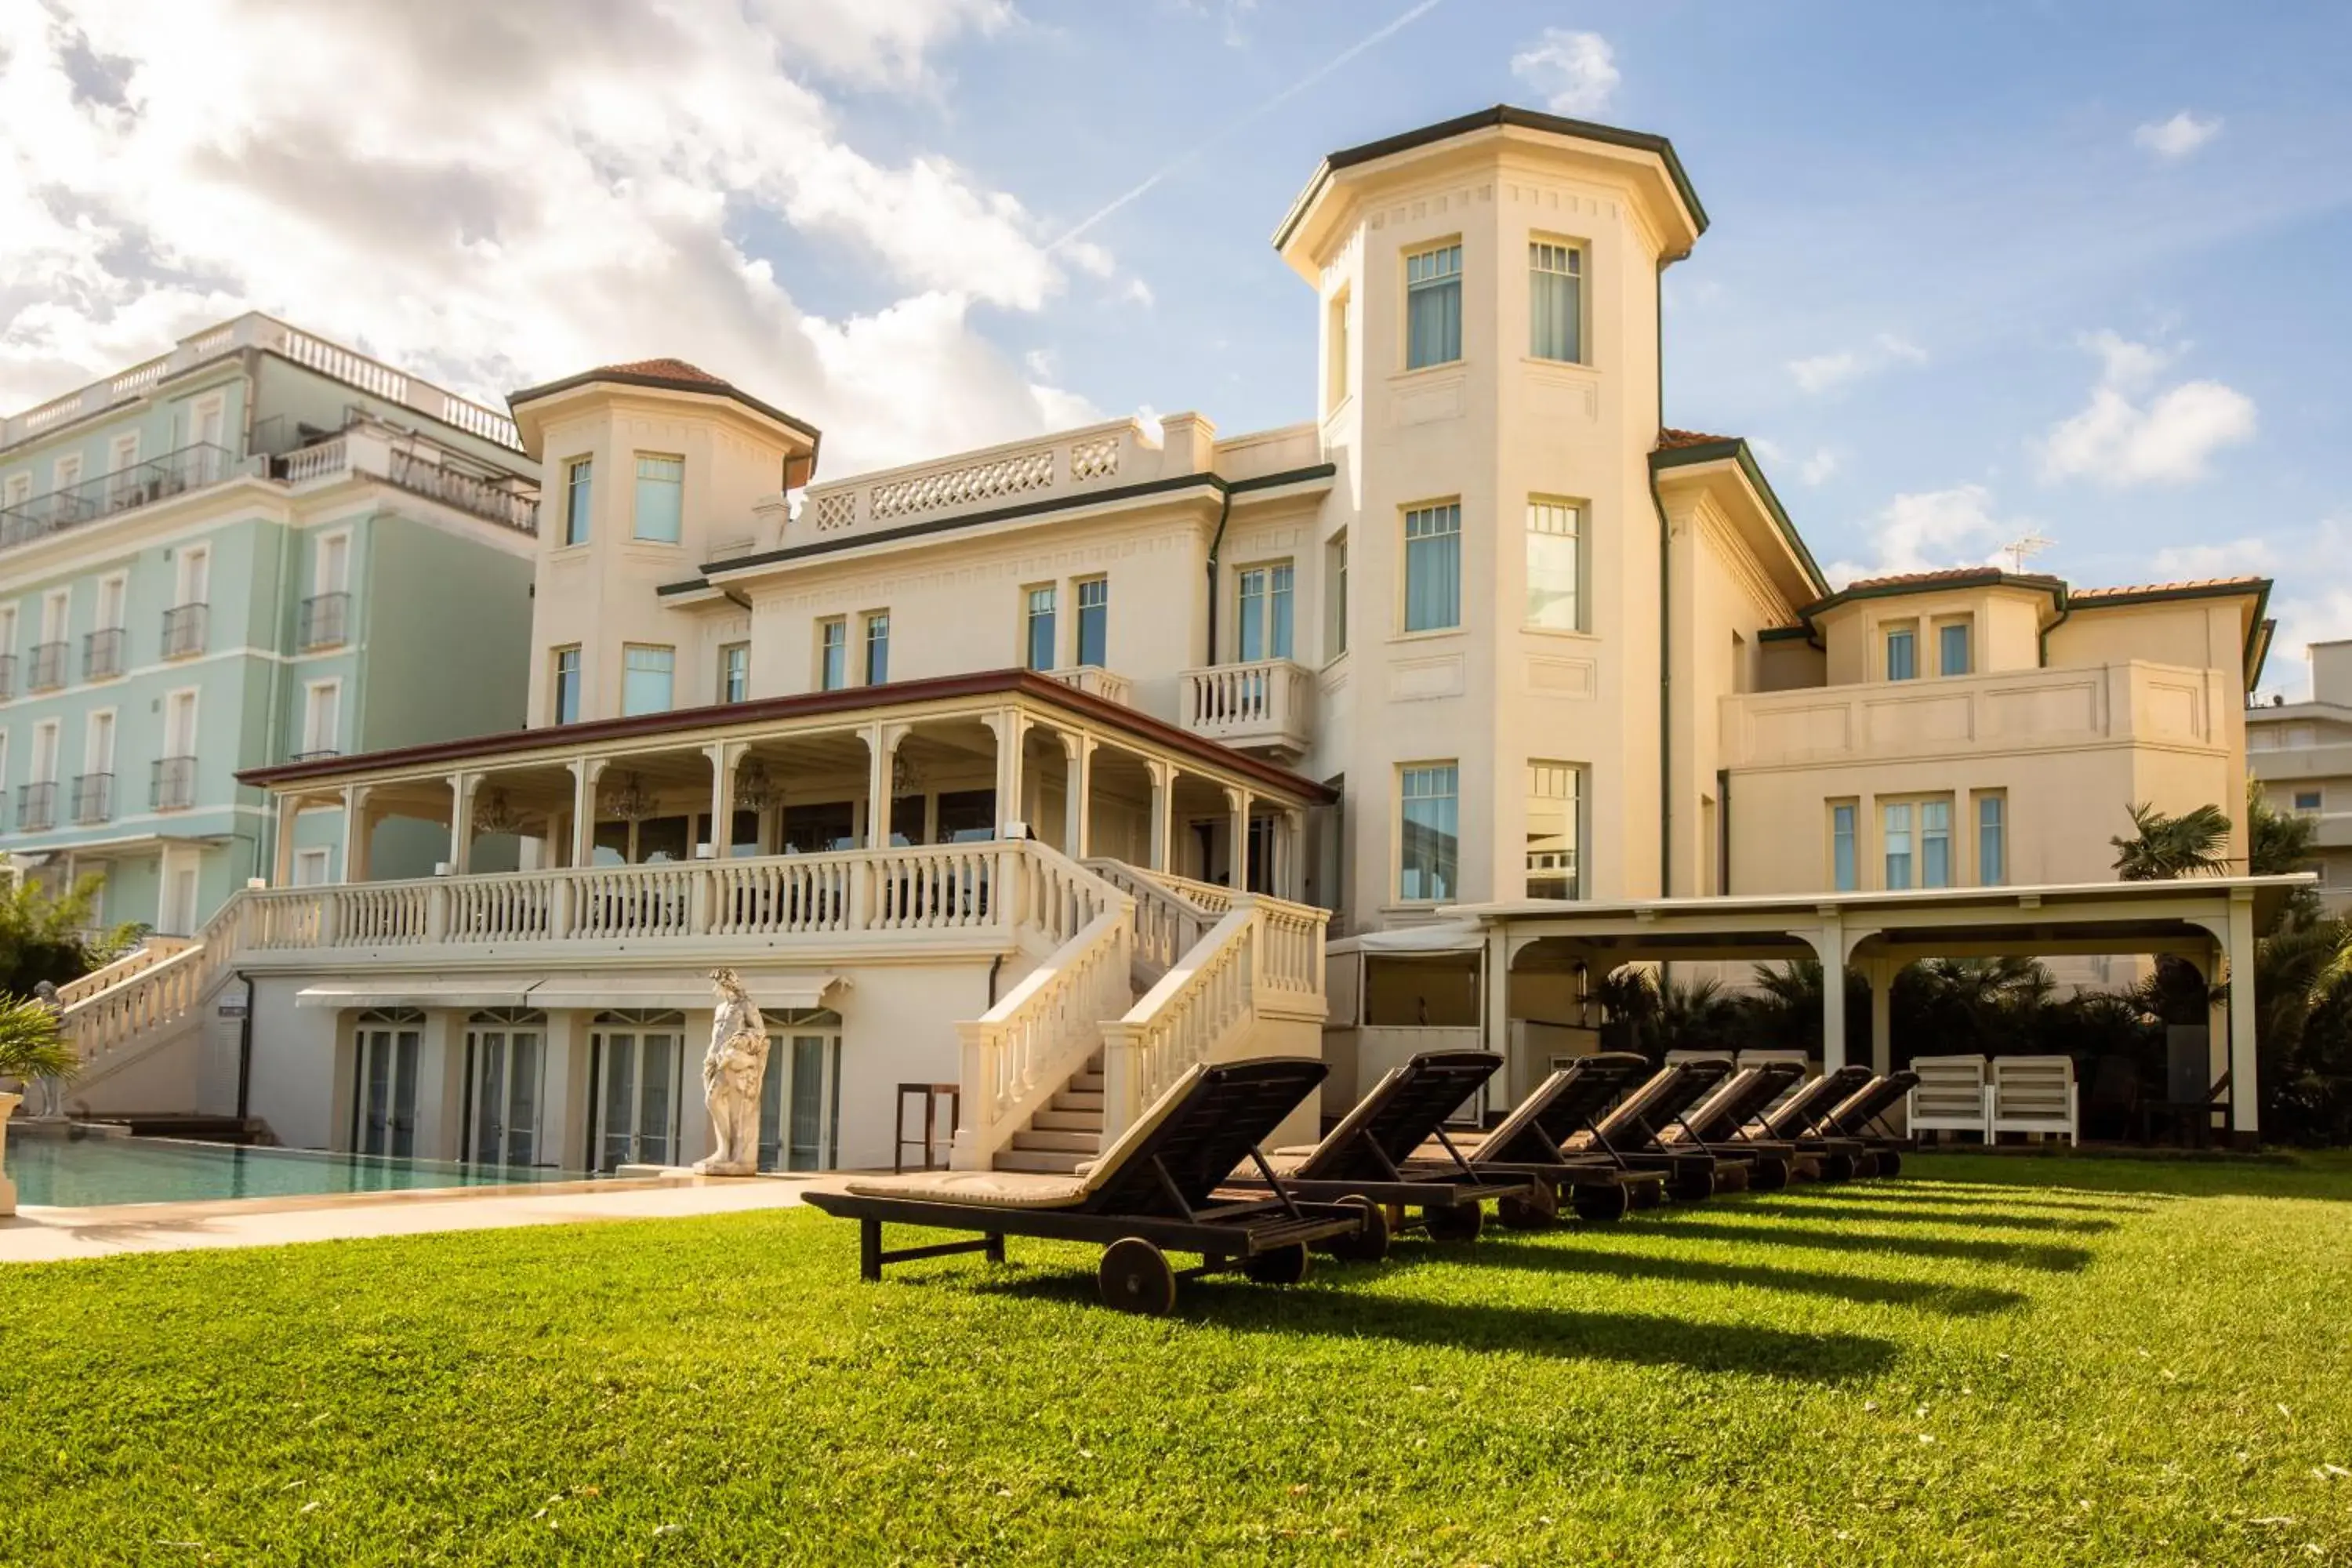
(666,369)
(1944,574)
(1673,440)
(2250,584)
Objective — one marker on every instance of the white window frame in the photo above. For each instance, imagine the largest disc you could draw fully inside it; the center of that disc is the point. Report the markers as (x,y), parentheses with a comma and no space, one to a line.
(725,650)
(1887,632)
(210,409)
(333,548)
(1334,597)
(1396,860)
(57,614)
(670,704)
(116,586)
(827,678)
(578,510)
(1052,614)
(1337,387)
(101,734)
(305,860)
(18,489)
(638,482)
(8,627)
(65,471)
(49,748)
(1578,777)
(1543,249)
(1275,585)
(1543,508)
(193,575)
(190,699)
(1404,565)
(1965,626)
(1456,278)
(555,683)
(868,621)
(327,696)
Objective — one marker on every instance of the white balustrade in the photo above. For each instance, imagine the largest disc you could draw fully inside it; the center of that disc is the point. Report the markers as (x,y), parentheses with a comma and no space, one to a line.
(1266,701)
(326,460)
(1097,682)
(1167,925)
(1024,1049)
(1069,464)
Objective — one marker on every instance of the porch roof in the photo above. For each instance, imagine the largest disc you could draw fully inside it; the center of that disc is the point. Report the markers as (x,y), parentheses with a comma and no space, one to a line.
(746,720)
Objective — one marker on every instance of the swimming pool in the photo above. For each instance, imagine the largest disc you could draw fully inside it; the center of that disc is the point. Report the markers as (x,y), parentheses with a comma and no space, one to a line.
(81,1170)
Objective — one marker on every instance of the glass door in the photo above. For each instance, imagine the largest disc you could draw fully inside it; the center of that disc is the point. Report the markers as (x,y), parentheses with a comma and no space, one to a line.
(800,1098)
(637,1115)
(385,1109)
(509,1059)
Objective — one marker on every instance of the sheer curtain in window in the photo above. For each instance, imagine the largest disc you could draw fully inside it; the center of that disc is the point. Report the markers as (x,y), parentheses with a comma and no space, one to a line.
(1433,568)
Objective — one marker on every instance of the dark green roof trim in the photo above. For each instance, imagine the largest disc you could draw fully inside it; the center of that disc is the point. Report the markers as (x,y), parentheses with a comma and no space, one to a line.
(667,384)
(1169,485)
(691,585)
(2258,635)
(1785,634)
(1991,578)
(1735,449)
(1500,115)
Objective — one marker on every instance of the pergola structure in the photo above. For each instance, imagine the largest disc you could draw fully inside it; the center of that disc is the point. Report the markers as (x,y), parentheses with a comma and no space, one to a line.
(2208,921)
(919,761)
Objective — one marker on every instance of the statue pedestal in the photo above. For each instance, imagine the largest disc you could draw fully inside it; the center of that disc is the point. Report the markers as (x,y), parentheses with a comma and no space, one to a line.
(8,1103)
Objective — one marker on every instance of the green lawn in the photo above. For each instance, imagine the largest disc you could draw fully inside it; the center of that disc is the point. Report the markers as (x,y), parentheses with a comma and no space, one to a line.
(1992,1360)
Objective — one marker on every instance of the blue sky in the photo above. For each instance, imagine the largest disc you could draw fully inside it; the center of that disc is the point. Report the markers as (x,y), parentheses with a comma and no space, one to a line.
(1973,270)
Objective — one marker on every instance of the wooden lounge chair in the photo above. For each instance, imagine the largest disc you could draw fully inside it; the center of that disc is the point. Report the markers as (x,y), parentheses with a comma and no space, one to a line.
(1151,1192)
(1801,1121)
(1720,1123)
(1598,1185)
(1631,1132)
(1862,1116)
(1370,1153)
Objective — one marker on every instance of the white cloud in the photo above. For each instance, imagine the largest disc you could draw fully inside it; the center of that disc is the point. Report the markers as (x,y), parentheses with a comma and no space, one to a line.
(2123,437)
(2313,604)
(2178,136)
(2237,558)
(1931,531)
(1817,468)
(168,162)
(1576,72)
(1827,371)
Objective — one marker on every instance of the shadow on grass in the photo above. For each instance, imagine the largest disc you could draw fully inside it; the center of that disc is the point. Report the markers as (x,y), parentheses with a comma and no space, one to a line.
(1959,1301)
(2317,1177)
(1770,1230)
(1224,1301)
(1992,1216)
(1925,1195)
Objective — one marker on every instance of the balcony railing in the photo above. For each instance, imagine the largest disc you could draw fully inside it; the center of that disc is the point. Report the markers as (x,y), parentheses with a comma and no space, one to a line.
(171,783)
(7,676)
(184,628)
(101,654)
(48,671)
(323,620)
(37,806)
(93,798)
(190,467)
(315,753)
(484,497)
(1266,702)
(1097,682)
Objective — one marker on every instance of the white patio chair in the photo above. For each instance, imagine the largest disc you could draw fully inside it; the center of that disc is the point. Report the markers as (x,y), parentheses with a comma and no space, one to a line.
(1953,1095)
(2036,1094)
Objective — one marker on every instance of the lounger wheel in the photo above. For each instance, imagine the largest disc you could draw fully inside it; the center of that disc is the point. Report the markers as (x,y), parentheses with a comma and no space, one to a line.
(1368,1244)
(1867,1164)
(1837,1167)
(1279,1266)
(1457,1222)
(1646,1194)
(1539,1208)
(1600,1205)
(1694,1186)
(1135,1276)
(1769,1176)
(1890,1162)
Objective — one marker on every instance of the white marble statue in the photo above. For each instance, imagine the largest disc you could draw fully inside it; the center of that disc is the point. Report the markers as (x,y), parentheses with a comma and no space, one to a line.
(732,1071)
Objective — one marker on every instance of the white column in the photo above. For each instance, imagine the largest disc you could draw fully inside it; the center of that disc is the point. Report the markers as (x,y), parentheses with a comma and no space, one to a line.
(1163,810)
(355,833)
(289,810)
(585,772)
(1237,806)
(461,820)
(1290,851)
(1077,826)
(2245,1090)
(1829,942)
(881,746)
(1011,726)
(1882,1015)
(722,756)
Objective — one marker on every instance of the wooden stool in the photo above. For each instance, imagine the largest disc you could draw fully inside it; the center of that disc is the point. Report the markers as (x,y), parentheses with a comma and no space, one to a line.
(931,1093)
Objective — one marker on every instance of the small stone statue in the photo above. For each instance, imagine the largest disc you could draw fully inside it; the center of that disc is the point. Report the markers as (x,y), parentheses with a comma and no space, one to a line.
(732,1071)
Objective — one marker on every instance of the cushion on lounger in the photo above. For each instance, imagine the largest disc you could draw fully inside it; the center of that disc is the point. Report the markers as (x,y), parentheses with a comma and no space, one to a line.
(991,1189)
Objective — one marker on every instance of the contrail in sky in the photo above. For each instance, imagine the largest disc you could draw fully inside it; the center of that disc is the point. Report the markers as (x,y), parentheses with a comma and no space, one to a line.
(1260,112)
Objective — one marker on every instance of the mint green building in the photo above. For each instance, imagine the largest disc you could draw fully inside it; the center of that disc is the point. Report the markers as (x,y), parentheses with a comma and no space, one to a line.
(259,547)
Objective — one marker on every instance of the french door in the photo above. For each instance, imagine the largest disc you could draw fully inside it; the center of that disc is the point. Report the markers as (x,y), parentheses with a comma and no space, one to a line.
(638,1057)
(799,1099)
(384,1108)
(507,1059)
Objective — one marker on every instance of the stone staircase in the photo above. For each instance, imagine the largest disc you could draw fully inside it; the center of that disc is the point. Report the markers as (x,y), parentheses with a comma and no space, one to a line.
(1066,1131)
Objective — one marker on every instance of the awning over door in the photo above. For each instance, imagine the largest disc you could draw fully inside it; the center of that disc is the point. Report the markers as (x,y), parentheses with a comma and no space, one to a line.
(412,991)
(666,991)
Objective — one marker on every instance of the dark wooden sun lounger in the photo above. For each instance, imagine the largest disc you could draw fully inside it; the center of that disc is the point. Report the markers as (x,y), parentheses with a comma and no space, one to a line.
(1151,1192)
(1598,1185)
(1861,1116)
(1718,1123)
(1801,1119)
(1631,1131)
(1370,1154)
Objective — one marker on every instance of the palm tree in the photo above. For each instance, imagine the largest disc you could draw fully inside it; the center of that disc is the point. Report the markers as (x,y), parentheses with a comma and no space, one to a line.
(2277,843)
(31,1045)
(2162,848)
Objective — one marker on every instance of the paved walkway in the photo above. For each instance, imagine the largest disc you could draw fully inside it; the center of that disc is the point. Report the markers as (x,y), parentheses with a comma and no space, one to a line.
(49,1235)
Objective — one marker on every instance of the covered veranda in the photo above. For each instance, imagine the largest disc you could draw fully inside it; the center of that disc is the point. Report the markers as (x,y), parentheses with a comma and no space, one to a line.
(958,759)
(1553,954)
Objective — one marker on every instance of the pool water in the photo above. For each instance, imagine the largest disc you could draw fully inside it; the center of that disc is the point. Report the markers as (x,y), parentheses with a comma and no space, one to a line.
(86,1171)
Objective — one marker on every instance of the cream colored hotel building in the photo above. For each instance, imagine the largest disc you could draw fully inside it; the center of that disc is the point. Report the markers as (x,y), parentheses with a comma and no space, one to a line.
(1038,770)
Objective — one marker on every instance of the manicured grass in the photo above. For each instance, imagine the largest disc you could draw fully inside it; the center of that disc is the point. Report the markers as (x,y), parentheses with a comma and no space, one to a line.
(1991,1360)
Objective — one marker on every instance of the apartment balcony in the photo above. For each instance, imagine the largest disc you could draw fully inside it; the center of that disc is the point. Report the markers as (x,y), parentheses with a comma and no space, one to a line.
(2133,703)
(186,630)
(324,622)
(93,798)
(316,754)
(37,808)
(140,484)
(101,654)
(171,783)
(7,676)
(1266,704)
(48,671)
(1096,681)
